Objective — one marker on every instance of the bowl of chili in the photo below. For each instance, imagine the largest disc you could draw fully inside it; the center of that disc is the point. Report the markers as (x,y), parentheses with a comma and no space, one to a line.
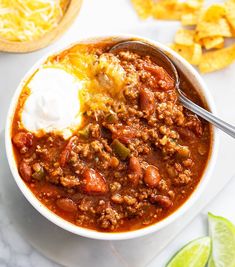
(136,161)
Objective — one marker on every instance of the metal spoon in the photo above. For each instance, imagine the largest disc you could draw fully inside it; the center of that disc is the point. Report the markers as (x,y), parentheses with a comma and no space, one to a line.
(163,60)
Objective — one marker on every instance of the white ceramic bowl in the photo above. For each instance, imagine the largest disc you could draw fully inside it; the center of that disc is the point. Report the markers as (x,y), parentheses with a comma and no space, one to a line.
(192,75)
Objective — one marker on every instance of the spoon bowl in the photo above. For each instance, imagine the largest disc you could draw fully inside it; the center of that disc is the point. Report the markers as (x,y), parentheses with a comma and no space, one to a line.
(162,60)
(155,54)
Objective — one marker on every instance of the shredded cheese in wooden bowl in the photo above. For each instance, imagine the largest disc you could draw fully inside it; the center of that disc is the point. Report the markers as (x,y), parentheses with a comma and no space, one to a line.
(24,20)
(27,25)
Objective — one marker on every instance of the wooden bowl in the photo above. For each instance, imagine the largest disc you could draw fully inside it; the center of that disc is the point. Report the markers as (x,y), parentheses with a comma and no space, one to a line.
(70,14)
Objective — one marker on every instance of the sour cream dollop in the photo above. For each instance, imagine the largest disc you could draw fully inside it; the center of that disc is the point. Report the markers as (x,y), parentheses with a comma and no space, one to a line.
(53,104)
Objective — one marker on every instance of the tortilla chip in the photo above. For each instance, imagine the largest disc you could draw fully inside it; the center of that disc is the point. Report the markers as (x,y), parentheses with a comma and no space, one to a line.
(185,37)
(230,12)
(213,28)
(216,60)
(214,12)
(197,54)
(189,19)
(213,42)
(143,8)
(167,9)
(175,9)
(191,53)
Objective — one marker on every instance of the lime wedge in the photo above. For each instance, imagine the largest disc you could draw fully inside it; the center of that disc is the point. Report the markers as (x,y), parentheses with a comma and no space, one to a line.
(194,254)
(222,233)
(211,262)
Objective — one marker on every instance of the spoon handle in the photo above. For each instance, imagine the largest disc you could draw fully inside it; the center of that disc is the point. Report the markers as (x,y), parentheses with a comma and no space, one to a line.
(208,116)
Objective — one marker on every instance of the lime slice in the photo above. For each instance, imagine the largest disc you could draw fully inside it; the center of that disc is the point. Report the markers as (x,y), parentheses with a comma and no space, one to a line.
(211,262)
(194,254)
(222,232)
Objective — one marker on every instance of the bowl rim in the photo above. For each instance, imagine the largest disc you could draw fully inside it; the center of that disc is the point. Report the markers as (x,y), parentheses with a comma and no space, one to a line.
(85,232)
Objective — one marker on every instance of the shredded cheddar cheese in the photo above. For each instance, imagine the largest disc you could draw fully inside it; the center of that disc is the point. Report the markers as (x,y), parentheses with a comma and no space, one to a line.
(102,76)
(25,20)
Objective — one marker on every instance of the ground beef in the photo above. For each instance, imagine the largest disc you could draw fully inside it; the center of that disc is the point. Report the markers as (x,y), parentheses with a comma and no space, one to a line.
(130,165)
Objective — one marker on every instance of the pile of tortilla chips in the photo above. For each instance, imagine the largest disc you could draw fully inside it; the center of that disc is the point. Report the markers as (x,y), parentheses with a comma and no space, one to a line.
(205,29)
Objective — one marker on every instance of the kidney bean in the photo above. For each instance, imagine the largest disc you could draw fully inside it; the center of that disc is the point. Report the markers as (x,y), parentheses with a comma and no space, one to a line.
(163,201)
(186,134)
(51,191)
(146,100)
(152,176)
(25,171)
(135,170)
(23,139)
(66,204)
(134,166)
(94,182)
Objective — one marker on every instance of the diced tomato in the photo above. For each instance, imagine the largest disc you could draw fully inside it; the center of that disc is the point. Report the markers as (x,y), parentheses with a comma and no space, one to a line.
(94,182)
(147,100)
(163,79)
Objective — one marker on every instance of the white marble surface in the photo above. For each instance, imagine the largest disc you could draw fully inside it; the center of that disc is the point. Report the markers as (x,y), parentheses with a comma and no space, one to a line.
(20,223)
